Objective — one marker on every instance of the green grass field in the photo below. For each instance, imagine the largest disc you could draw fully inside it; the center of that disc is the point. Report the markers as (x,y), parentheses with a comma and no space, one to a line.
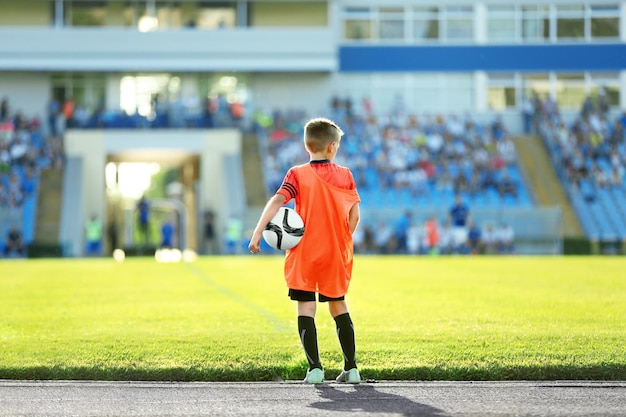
(228,319)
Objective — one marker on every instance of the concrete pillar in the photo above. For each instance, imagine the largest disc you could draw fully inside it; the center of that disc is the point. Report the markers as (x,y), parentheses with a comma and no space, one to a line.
(480,23)
(481,87)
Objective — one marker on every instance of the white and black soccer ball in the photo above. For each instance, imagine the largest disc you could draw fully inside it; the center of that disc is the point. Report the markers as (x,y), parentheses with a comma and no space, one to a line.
(285,230)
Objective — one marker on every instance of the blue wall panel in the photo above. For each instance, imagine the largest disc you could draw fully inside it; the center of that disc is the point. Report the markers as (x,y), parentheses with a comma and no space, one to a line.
(580,57)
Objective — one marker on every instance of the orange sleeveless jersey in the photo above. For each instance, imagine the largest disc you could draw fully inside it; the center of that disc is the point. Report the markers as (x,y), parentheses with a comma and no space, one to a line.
(322,261)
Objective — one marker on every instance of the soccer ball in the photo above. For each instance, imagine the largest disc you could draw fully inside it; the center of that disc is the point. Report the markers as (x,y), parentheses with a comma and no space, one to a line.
(285,230)
(119,255)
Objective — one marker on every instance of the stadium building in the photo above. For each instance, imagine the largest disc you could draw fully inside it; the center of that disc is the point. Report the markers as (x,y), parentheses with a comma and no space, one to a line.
(119,62)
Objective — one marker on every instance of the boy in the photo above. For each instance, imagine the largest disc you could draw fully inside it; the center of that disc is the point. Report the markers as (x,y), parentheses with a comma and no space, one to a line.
(327,200)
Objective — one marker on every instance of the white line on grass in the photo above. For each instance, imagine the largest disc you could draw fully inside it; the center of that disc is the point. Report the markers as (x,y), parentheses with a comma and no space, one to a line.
(279,325)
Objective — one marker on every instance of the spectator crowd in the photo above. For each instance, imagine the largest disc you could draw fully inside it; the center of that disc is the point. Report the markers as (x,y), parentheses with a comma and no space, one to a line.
(428,158)
(590,152)
(422,155)
(589,155)
(24,152)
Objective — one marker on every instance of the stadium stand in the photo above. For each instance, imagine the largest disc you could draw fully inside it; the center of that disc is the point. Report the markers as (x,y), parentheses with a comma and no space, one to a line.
(408,163)
(24,153)
(411,159)
(589,156)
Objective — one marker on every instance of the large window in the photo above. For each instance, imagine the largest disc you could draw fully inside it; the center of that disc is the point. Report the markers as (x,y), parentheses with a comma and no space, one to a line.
(213,15)
(417,24)
(84,89)
(570,90)
(502,92)
(114,13)
(385,23)
(277,13)
(607,83)
(502,23)
(459,23)
(570,23)
(357,24)
(426,24)
(26,13)
(391,23)
(604,21)
(433,92)
(505,22)
(142,94)
(535,23)
(536,84)
(168,15)
(232,87)
(86,13)
(147,15)
(425,93)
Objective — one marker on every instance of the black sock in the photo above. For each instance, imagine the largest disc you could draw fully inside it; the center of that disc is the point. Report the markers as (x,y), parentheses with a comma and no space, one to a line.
(308,337)
(345,333)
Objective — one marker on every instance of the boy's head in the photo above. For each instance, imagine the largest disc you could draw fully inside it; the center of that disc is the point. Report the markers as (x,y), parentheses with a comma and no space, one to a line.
(319,133)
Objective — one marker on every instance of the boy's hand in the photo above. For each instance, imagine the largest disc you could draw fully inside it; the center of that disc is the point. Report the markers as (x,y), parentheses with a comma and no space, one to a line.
(255,244)
(269,211)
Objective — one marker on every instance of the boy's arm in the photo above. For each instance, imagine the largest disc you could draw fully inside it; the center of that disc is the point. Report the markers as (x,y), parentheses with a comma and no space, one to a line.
(270,210)
(354,217)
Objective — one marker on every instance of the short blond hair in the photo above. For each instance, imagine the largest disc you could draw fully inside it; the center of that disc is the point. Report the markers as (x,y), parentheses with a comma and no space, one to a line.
(319,132)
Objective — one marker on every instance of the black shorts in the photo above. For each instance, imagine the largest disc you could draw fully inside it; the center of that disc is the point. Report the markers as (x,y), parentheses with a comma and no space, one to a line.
(299,295)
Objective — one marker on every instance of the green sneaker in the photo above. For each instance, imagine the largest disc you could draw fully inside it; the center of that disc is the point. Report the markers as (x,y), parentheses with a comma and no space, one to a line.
(314,376)
(351,377)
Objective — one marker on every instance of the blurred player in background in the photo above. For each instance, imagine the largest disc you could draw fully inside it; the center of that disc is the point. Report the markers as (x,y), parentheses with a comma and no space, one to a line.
(93,233)
(143,208)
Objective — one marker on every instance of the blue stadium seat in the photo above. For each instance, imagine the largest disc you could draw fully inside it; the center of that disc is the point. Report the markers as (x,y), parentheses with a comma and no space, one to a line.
(479,201)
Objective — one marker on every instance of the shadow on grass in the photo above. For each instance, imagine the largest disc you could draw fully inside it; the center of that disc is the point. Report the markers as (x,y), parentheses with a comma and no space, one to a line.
(607,372)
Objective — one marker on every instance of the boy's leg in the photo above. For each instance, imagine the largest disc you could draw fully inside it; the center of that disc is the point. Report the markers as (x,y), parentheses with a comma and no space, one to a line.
(308,333)
(345,332)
